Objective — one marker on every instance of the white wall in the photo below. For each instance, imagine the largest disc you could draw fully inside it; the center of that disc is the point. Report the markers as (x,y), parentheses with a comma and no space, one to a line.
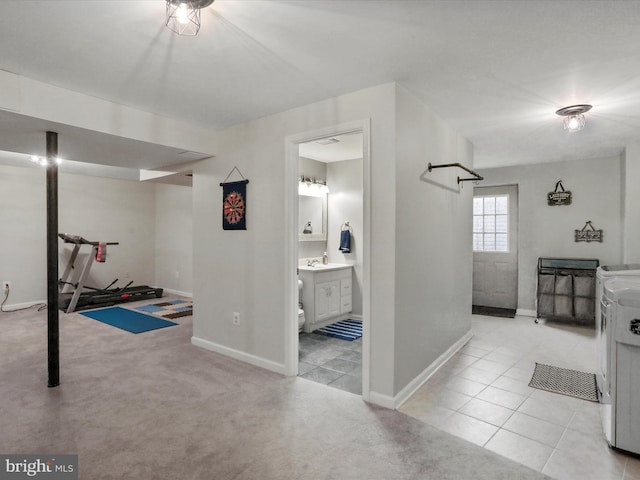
(174,238)
(631,205)
(95,208)
(433,240)
(546,231)
(23,246)
(243,271)
(420,238)
(312,168)
(346,204)
(112,210)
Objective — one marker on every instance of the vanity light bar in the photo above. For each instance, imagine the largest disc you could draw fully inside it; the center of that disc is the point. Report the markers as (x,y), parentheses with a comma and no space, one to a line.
(311,182)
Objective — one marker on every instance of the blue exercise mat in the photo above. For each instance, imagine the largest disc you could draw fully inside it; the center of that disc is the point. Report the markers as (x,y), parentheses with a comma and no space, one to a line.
(128,320)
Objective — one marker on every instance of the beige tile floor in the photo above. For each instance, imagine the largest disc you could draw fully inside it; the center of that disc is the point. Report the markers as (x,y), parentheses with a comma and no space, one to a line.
(482,395)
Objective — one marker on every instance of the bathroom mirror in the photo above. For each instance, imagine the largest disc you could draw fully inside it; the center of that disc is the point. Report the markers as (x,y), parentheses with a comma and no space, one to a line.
(312,218)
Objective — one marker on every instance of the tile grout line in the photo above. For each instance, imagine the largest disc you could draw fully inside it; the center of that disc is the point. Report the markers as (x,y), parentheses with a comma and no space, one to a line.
(486,339)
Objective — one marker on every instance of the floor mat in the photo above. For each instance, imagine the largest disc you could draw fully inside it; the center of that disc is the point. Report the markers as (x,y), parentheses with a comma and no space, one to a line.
(169,309)
(565,381)
(493,311)
(128,320)
(345,330)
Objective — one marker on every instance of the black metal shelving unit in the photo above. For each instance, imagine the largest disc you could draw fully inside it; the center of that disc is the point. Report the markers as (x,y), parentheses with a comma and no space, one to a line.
(566,289)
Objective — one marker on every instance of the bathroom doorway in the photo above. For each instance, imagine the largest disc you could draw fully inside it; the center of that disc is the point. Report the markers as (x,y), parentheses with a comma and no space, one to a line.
(335,293)
(329,261)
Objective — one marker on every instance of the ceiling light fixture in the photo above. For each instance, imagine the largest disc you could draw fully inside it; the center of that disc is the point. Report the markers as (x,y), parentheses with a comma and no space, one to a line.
(43,160)
(183,16)
(573,116)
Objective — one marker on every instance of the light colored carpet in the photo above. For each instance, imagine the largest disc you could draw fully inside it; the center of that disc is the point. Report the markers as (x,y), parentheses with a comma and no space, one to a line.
(152,406)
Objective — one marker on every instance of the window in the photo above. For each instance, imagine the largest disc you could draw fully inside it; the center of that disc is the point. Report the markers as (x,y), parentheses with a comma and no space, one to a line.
(491,224)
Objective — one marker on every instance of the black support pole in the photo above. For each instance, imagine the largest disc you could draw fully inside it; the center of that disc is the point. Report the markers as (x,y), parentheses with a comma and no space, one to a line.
(53,334)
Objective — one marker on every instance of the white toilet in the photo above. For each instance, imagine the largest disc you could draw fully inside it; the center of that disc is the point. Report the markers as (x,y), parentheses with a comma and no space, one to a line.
(300,310)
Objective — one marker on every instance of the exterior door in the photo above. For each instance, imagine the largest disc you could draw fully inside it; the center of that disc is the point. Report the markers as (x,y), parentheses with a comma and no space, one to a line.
(495,246)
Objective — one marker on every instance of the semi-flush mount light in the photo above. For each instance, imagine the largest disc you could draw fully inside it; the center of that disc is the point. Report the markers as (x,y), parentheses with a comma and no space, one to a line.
(573,116)
(183,16)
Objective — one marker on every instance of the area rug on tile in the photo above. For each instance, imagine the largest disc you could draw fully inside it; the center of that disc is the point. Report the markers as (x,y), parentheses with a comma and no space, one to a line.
(169,309)
(128,320)
(493,311)
(345,330)
(565,381)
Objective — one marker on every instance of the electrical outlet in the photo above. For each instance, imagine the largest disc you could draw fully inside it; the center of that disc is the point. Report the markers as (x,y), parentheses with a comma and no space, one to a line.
(6,286)
(236,318)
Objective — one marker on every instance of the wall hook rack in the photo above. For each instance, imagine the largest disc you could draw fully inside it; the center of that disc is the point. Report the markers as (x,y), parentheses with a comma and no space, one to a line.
(476,176)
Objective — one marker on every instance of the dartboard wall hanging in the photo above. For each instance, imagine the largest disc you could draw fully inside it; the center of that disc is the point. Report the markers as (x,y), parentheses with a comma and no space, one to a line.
(234,205)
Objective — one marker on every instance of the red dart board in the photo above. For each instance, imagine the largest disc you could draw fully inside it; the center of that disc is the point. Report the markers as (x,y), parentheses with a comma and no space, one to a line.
(234,207)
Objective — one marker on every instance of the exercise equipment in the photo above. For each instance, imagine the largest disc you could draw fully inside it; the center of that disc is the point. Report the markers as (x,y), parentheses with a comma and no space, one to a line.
(83,296)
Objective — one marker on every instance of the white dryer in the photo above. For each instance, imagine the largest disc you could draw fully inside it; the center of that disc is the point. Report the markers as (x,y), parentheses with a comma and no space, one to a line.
(619,376)
(604,273)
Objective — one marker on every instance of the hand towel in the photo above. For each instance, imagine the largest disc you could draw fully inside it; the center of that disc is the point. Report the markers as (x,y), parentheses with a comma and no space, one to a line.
(345,241)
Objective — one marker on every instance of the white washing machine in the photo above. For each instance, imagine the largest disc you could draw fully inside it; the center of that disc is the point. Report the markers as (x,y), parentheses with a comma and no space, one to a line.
(619,374)
(604,273)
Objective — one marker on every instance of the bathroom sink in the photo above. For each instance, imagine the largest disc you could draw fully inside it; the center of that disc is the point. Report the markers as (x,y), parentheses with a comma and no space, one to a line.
(320,266)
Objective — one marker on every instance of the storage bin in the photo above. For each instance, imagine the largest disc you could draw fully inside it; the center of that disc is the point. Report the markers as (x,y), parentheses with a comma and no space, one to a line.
(545,283)
(584,308)
(566,289)
(564,285)
(545,305)
(584,286)
(563,306)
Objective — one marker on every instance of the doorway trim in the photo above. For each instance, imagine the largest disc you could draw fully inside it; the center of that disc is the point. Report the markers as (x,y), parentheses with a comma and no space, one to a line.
(291,241)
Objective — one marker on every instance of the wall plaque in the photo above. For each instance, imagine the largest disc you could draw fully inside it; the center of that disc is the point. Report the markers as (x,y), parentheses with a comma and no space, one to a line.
(562,197)
(588,233)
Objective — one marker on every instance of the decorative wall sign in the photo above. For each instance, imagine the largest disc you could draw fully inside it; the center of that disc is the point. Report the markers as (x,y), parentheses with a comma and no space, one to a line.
(588,234)
(561,197)
(234,204)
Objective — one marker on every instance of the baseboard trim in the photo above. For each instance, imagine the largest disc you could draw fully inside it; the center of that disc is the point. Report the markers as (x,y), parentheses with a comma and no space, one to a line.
(381,400)
(420,380)
(178,292)
(239,355)
(526,313)
(355,317)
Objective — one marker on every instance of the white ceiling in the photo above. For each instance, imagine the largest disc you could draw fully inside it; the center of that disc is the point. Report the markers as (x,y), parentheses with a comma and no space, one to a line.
(19,133)
(495,70)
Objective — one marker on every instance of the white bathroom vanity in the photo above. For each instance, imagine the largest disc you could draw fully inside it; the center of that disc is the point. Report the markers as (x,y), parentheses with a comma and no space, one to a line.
(326,294)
